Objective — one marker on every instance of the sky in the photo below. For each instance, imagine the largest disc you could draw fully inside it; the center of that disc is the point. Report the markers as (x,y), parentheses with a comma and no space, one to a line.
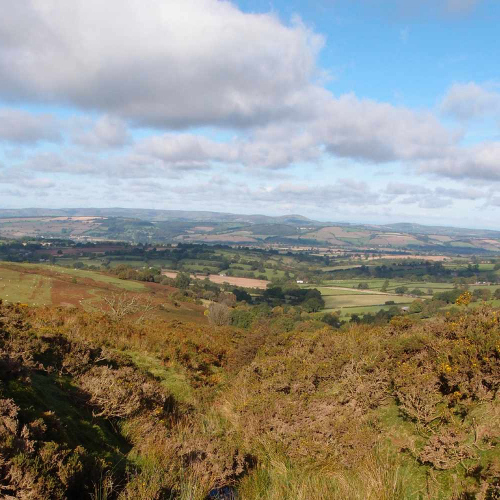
(374,111)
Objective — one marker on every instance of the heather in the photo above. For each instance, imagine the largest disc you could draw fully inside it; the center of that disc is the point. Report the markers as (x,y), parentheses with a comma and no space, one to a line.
(98,406)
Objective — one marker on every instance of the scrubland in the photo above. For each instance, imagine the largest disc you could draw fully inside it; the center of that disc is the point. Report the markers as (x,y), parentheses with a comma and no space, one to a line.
(103,408)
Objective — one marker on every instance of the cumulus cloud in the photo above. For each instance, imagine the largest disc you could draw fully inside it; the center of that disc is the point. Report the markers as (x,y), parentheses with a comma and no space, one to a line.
(107,132)
(193,63)
(118,166)
(177,65)
(343,192)
(380,132)
(346,127)
(169,64)
(22,127)
(466,101)
(481,161)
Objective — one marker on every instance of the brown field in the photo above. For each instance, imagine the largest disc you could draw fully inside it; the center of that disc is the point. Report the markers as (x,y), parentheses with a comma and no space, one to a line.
(231,280)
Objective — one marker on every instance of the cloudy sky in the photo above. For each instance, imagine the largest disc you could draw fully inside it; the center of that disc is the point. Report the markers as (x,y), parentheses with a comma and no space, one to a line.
(342,110)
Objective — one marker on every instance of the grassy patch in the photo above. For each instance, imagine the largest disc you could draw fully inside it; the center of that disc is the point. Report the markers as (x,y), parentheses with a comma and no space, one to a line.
(26,288)
(171,378)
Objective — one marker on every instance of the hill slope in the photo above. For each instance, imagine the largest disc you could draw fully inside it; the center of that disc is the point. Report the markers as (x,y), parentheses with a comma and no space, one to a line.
(92,407)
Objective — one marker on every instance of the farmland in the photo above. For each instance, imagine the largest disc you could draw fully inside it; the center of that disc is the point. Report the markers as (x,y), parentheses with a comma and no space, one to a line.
(289,232)
(42,285)
(202,322)
(221,279)
(346,284)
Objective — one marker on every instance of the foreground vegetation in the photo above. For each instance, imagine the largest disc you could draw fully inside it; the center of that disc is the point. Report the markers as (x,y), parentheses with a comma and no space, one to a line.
(96,405)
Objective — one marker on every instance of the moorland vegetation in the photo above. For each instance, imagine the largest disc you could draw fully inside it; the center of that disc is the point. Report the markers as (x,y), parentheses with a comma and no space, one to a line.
(98,406)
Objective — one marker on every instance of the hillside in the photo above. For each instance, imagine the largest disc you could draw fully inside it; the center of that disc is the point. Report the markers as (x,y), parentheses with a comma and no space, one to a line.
(293,231)
(99,405)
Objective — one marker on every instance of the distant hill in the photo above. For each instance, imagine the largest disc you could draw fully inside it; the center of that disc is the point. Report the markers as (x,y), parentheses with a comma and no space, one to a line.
(174,226)
(154,215)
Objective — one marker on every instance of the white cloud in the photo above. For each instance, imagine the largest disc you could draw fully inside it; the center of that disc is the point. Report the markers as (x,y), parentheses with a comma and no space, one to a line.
(481,161)
(162,63)
(22,127)
(466,101)
(107,132)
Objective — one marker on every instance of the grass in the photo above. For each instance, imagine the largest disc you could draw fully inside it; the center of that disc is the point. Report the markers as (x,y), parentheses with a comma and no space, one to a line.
(25,288)
(384,475)
(343,301)
(331,291)
(133,286)
(377,284)
(172,379)
(346,311)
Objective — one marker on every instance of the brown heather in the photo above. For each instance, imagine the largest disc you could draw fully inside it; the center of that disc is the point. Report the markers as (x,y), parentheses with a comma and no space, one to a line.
(93,406)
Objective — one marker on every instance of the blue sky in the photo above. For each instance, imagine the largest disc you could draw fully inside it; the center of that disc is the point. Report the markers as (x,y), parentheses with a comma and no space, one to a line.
(341,110)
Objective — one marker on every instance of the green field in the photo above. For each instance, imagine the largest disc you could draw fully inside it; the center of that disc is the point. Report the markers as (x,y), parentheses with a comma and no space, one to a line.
(377,284)
(347,311)
(28,289)
(134,286)
(334,302)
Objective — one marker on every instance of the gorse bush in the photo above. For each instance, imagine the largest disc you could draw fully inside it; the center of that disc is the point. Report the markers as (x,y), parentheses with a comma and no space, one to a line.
(273,407)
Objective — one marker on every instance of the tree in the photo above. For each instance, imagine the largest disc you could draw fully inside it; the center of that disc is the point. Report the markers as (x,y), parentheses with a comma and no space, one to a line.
(385,286)
(483,294)
(182,281)
(332,319)
(400,290)
(119,305)
(313,304)
(416,306)
(242,295)
(219,314)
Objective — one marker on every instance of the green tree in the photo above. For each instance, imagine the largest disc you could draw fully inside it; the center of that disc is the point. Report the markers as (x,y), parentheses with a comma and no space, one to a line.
(182,281)
(312,305)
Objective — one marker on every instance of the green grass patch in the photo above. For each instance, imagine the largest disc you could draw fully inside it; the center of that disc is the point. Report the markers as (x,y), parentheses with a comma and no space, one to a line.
(25,288)
(171,378)
(129,285)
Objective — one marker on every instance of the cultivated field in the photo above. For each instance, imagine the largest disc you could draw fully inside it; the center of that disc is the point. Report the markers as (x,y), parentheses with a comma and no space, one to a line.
(231,280)
(54,226)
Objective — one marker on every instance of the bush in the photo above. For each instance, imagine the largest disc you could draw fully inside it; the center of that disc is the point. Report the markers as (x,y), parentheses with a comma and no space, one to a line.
(219,314)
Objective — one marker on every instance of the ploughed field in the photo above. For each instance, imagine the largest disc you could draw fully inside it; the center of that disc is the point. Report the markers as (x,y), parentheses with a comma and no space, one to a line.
(220,279)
